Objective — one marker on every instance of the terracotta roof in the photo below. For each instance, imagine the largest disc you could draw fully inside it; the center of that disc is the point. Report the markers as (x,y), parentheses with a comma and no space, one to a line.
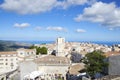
(112,53)
(27,50)
(8,52)
(74,69)
(50,59)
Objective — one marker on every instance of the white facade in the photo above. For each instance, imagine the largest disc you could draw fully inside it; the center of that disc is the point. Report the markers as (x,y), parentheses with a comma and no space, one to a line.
(54,70)
(60,46)
(26,53)
(116,48)
(50,66)
(26,67)
(8,61)
(53,65)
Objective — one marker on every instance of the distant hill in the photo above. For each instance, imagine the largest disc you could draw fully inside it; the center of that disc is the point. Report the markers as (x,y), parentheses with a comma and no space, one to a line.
(12,45)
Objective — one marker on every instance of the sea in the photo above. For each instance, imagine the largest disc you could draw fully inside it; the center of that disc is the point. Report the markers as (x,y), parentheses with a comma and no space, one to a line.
(109,43)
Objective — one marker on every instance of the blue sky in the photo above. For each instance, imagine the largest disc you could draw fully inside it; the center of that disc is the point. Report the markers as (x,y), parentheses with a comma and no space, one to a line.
(76,20)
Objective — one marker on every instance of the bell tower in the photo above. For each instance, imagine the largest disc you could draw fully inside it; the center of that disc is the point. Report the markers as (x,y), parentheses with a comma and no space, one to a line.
(60,46)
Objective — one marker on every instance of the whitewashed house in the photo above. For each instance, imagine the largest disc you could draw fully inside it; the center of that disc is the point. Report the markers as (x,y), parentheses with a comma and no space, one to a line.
(8,61)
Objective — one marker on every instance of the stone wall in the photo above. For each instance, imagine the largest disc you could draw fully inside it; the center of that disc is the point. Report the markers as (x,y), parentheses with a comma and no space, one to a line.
(114,65)
(26,67)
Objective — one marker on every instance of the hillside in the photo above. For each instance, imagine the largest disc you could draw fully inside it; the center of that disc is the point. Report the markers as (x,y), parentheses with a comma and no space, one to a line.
(12,45)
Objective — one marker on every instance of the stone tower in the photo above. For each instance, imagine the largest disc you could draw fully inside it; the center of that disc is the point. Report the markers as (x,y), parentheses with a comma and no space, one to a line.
(60,46)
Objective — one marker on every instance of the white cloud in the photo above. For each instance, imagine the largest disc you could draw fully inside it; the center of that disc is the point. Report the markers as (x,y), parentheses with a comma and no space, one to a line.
(38,28)
(22,25)
(28,6)
(103,13)
(38,6)
(80,30)
(56,28)
(67,3)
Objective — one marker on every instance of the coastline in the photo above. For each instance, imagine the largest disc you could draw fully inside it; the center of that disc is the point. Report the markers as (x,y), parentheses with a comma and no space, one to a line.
(109,43)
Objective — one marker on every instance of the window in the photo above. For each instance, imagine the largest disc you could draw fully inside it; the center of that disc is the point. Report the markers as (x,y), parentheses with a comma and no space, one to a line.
(1,59)
(21,53)
(11,59)
(1,63)
(6,59)
(31,52)
(11,65)
(6,64)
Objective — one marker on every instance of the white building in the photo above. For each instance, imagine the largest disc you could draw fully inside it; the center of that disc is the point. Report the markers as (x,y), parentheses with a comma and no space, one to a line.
(116,48)
(53,65)
(50,66)
(60,46)
(26,67)
(8,61)
(26,54)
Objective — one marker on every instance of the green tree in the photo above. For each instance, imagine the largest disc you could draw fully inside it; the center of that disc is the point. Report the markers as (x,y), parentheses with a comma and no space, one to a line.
(2,79)
(39,50)
(32,47)
(43,50)
(35,47)
(95,63)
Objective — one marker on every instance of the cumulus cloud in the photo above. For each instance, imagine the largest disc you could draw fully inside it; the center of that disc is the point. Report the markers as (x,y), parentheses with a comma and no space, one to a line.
(28,6)
(103,13)
(22,25)
(67,3)
(56,29)
(38,6)
(80,30)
